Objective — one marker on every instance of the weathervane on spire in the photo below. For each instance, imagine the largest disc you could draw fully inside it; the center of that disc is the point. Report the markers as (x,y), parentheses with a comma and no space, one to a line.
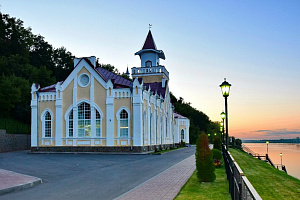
(150,26)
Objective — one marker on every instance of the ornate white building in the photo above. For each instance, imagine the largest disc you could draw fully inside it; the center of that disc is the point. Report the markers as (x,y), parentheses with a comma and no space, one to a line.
(97,110)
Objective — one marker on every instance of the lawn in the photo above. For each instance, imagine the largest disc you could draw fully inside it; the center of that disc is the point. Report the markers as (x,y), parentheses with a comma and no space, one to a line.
(269,182)
(166,150)
(14,127)
(217,190)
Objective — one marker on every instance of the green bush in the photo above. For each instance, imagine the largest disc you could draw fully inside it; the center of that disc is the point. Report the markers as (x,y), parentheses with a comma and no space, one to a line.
(204,160)
(238,143)
(217,156)
(217,143)
(182,143)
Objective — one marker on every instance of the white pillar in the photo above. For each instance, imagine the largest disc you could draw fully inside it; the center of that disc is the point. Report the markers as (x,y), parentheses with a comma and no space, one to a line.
(34,121)
(93,112)
(137,124)
(109,122)
(58,122)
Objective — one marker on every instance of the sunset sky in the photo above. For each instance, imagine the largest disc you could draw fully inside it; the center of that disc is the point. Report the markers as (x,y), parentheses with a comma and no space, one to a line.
(254,44)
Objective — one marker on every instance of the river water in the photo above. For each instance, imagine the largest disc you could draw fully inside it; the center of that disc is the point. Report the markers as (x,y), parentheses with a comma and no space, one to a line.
(290,155)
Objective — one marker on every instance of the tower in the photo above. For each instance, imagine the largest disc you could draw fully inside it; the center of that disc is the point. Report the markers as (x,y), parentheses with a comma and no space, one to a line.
(150,70)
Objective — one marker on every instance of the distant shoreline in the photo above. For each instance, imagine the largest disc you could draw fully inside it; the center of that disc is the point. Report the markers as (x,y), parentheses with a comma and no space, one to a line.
(294,141)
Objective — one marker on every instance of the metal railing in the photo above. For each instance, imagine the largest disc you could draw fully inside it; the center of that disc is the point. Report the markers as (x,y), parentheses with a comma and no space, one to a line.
(239,186)
(265,156)
(150,70)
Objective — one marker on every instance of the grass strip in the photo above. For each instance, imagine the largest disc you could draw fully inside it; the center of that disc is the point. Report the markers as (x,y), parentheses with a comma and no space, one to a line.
(217,190)
(269,182)
(13,126)
(166,150)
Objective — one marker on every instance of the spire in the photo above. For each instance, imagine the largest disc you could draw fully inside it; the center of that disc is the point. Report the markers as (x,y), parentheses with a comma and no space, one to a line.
(149,42)
(127,72)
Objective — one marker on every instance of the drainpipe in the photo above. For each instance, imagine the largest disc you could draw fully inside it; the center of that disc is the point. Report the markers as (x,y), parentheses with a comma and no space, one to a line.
(37,124)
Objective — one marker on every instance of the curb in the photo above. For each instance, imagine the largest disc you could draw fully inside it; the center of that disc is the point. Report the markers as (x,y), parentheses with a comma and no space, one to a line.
(19,187)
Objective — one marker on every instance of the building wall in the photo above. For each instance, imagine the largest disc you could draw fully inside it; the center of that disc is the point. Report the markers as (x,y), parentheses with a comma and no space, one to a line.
(149,131)
(67,97)
(83,92)
(100,100)
(43,107)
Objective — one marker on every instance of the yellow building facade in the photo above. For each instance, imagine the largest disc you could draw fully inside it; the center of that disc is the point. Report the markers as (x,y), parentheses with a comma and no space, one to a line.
(97,110)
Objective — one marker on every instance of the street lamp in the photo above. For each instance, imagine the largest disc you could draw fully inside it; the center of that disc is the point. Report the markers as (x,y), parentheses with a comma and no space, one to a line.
(267,142)
(225,88)
(281,159)
(223,116)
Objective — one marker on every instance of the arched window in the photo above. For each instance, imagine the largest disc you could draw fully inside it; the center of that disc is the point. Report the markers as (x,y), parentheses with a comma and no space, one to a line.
(84,120)
(182,134)
(148,63)
(124,125)
(98,124)
(47,124)
(71,124)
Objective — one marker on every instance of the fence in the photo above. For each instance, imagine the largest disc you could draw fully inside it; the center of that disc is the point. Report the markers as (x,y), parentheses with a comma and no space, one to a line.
(266,156)
(239,186)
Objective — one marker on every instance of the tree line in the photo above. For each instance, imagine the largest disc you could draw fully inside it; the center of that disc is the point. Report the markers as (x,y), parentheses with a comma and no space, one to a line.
(26,58)
(199,121)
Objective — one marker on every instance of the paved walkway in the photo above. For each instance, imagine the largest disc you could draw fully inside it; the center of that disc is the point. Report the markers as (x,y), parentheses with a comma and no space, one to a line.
(164,186)
(12,181)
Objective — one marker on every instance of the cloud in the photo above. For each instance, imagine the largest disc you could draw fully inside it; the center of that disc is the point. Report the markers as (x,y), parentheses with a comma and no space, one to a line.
(278,132)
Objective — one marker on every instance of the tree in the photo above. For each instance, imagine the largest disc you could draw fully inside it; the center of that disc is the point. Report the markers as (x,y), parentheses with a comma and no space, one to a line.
(199,121)
(217,142)
(26,58)
(204,161)
(12,91)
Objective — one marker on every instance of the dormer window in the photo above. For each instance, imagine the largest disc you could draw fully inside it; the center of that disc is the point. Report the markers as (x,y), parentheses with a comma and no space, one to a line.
(148,63)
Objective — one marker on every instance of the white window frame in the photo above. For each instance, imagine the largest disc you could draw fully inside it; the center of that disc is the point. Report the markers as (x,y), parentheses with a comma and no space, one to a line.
(68,112)
(43,115)
(118,120)
(79,80)
(101,116)
(183,139)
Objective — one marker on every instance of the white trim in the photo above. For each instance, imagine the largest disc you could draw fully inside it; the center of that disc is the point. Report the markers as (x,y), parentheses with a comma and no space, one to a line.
(80,81)
(75,72)
(43,122)
(183,135)
(66,117)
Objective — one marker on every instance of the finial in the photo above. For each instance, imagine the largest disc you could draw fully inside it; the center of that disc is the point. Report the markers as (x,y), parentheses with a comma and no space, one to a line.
(150,26)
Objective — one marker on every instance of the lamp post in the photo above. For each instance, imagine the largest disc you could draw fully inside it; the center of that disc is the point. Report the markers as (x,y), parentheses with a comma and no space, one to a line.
(223,116)
(281,159)
(225,88)
(267,142)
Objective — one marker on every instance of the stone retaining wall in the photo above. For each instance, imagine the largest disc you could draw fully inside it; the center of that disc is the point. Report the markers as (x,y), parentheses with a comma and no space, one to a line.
(13,142)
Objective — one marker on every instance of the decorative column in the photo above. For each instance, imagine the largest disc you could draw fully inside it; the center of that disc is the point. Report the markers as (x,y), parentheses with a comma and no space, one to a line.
(34,115)
(93,112)
(110,115)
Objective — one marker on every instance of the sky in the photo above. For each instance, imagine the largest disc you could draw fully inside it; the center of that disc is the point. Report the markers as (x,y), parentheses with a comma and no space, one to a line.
(254,44)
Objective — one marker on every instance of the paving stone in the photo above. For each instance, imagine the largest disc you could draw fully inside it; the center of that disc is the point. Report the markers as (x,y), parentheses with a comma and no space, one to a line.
(164,186)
